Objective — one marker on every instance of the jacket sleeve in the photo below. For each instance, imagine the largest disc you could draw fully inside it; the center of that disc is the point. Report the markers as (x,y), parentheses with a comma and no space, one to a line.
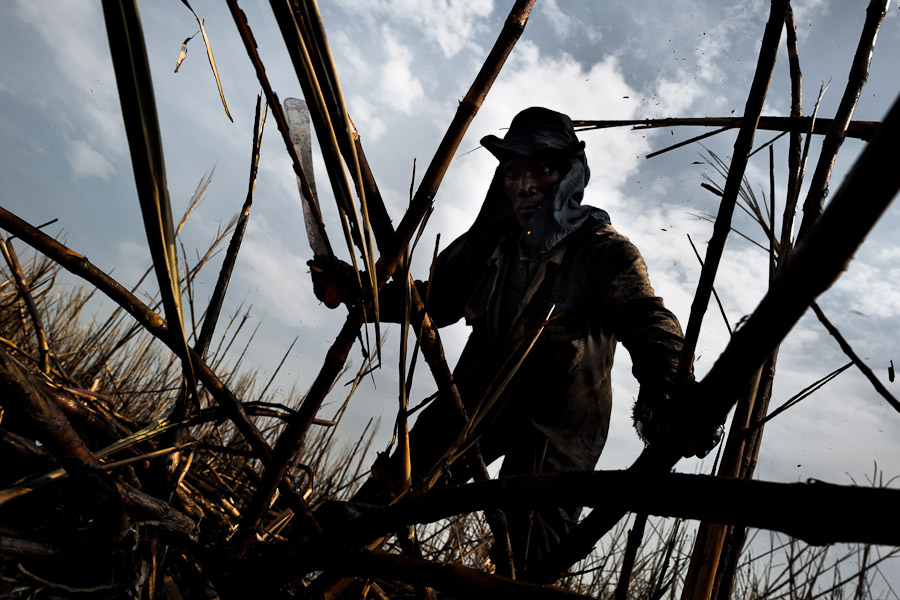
(653,337)
(638,317)
(450,282)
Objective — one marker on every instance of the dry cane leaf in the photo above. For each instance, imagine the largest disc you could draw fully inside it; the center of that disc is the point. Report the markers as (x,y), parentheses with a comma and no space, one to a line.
(212,60)
(183,54)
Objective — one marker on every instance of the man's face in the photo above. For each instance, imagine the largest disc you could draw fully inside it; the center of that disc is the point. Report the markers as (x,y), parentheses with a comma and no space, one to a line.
(525,181)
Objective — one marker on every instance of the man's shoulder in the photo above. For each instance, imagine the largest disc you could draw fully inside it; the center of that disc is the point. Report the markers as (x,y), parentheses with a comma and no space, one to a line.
(602,248)
(604,236)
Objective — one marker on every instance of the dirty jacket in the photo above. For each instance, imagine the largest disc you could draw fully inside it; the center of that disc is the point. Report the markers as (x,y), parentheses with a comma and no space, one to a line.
(582,298)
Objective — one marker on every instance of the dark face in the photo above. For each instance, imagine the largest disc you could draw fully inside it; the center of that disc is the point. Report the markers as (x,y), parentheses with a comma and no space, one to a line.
(525,181)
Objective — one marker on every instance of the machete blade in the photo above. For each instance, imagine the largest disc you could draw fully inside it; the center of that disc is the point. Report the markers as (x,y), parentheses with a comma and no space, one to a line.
(297,114)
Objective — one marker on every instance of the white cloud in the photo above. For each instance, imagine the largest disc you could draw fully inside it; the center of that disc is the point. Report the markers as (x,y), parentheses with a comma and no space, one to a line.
(450,24)
(278,274)
(366,119)
(88,102)
(889,255)
(564,25)
(871,290)
(398,87)
(677,96)
(806,12)
(559,20)
(87,161)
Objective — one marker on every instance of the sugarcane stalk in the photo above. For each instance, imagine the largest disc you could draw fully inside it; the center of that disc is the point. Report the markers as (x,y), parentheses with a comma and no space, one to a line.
(707,547)
(471,103)
(796,509)
(860,364)
(863,130)
(795,165)
(742,147)
(135,86)
(22,395)
(635,538)
(343,130)
(859,73)
(812,208)
(796,161)
(12,260)
(710,537)
(214,309)
(243,27)
(322,102)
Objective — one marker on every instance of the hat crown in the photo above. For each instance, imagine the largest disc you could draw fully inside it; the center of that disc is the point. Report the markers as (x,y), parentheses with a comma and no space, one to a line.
(533,131)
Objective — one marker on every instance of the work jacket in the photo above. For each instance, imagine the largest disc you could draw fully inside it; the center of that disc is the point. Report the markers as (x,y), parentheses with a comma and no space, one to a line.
(557,343)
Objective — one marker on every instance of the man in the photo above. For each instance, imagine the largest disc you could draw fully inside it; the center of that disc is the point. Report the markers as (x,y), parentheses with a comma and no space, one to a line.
(537,260)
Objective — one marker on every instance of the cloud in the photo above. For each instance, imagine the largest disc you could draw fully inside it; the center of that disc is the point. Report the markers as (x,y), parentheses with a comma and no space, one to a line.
(88,103)
(678,95)
(398,87)
(871,290)
(449,24)
(278,274)
(366,119)
(564,26)
(87,161)
(559,20)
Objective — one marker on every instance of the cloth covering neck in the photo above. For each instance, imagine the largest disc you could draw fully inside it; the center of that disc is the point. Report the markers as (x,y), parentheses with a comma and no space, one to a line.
(548,228)
(561,214)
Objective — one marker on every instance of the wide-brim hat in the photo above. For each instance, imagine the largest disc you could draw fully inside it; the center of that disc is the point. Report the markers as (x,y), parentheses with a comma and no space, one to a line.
(535,131)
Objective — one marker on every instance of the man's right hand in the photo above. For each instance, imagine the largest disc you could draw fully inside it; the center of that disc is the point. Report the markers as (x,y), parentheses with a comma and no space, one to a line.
(332,279)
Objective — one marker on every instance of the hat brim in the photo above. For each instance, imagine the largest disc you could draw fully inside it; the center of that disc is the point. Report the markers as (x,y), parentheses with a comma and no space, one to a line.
(504,148)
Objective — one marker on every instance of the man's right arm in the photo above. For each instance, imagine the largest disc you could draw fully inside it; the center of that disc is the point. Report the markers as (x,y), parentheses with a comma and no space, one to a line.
(335,283)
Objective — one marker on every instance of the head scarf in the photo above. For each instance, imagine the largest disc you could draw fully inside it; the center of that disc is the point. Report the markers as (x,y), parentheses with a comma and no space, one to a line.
(542,134)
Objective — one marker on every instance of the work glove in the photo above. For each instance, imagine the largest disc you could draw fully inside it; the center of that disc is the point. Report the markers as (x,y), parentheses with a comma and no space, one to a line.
(332,280)
(656,410)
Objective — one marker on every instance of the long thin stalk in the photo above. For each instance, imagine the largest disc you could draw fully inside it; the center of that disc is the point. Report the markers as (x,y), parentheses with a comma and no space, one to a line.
(240,21)
(863,130)
(708,544)
(795,166)
(132,67)
(859,73)
(322,94)
(471,103)
(12,260)
(342,127)
(848,350)
(742,147)
(218,297)
(796,163)
(796,509)
(635,537)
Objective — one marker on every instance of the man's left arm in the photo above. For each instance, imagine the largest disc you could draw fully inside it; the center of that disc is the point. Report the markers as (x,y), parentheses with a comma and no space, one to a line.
(653,338)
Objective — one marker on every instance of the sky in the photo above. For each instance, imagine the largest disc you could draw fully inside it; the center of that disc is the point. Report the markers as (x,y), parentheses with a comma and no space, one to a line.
(404,65)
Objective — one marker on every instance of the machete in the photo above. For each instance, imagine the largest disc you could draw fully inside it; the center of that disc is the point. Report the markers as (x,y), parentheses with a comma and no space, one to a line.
(297,115)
